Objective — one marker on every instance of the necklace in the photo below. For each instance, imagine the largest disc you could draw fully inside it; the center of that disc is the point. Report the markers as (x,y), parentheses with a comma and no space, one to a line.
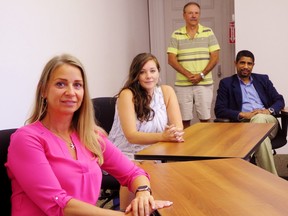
(69,142)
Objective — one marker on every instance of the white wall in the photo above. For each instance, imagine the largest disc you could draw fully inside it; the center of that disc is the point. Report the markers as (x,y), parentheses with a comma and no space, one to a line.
(104,35)
(261,28)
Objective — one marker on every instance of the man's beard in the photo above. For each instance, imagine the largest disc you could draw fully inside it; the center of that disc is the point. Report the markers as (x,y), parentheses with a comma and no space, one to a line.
(245,75)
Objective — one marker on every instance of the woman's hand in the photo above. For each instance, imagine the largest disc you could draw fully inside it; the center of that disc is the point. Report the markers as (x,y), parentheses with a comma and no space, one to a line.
(171,133)
(144,204)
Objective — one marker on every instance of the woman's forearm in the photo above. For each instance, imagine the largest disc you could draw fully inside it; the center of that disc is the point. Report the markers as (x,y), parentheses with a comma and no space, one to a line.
(78,208)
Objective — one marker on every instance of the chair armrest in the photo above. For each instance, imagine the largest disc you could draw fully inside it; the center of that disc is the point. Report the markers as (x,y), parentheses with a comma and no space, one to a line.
(221,120)
(281,137)
(284,111)
(284,120)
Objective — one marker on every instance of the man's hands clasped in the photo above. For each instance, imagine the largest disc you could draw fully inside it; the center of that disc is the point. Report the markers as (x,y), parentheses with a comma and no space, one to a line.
(249,115)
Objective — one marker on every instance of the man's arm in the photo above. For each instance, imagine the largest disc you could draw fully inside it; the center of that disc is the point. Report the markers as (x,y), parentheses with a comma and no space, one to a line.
(214,58)
(194,78)
(173,62)
(268,93)
(276,100)
(226,105)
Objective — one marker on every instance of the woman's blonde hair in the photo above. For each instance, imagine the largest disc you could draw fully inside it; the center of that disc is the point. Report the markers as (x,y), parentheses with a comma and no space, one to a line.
(83,119)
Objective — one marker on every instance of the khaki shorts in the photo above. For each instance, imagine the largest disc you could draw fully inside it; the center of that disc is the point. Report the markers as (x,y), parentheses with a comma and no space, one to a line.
(199,97)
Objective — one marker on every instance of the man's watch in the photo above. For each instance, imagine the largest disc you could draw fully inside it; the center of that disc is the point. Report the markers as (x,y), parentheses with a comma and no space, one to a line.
(202,75)
(271,110)
(144,188)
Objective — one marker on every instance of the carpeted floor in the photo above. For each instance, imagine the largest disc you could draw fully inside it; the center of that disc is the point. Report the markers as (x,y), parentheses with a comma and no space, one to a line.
(281,163)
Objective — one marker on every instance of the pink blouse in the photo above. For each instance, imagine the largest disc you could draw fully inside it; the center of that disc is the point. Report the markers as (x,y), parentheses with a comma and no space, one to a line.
(45,177)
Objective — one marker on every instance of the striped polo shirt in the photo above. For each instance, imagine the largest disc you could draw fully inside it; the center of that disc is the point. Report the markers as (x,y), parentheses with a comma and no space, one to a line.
(193,54)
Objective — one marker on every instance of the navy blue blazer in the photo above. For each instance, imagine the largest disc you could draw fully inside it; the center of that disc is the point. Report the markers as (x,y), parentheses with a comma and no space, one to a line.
(229,96)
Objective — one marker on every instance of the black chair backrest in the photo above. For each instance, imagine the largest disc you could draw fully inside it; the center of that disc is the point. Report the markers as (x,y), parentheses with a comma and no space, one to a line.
(5,184)
(104,108)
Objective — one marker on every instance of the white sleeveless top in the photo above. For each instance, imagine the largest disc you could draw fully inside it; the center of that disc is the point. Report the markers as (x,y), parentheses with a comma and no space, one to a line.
(157,124)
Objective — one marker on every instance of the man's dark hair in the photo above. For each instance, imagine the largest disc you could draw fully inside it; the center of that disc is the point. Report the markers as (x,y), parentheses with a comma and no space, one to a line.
(244,53)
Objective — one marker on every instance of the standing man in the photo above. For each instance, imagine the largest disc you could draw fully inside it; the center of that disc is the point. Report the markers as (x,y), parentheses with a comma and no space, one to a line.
(193,52)
(251,97)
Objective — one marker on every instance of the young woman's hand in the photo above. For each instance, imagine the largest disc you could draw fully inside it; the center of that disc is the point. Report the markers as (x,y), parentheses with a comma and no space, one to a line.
(171,133)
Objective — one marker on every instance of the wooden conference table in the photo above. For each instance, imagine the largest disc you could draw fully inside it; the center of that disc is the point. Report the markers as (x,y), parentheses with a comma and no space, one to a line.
(210,141)
(219,187)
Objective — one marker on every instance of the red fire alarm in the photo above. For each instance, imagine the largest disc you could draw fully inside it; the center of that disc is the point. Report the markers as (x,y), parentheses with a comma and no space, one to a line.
(232,37)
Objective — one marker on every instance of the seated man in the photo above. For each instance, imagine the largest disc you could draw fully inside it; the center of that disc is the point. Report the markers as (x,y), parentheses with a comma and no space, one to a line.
(248,96)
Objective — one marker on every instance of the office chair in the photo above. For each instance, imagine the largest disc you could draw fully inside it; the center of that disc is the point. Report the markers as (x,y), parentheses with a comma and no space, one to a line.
(104,108)
(281,137)
(5,184)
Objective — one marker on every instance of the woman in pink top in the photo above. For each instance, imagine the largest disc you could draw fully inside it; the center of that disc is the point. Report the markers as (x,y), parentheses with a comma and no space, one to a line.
(55,161)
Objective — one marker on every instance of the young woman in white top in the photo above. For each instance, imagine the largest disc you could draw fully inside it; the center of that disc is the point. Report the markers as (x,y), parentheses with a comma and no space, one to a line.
(146,112)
